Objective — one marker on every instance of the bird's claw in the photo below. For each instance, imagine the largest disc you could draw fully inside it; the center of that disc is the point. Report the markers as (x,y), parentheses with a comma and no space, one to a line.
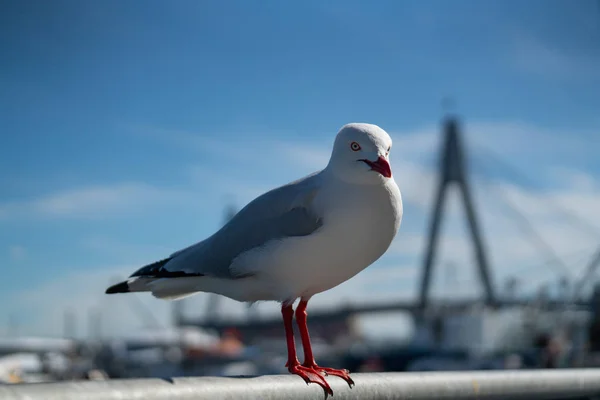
(310,376)
(342,373)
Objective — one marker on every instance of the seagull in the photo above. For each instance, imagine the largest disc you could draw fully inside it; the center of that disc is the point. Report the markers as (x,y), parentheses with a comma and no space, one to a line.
(294,241)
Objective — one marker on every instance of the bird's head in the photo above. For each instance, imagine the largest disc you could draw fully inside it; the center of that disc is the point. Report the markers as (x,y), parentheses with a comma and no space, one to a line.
(361,154)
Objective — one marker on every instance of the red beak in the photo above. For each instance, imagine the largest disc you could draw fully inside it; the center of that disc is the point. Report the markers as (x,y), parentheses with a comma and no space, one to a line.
(381,166)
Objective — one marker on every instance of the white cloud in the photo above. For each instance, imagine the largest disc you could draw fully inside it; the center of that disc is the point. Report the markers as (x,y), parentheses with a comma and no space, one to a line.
(93,202)
(574,179)
(81,293)
(310,157)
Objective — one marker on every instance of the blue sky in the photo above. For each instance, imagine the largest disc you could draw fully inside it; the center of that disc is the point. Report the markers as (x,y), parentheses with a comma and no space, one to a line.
(126,126)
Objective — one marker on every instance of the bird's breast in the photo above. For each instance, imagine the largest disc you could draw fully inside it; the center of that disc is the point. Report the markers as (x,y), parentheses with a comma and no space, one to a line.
(368,220)
(357,230)
(359,224)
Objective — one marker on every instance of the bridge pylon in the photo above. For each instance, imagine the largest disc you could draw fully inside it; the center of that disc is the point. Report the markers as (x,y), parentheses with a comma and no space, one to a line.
(453,171)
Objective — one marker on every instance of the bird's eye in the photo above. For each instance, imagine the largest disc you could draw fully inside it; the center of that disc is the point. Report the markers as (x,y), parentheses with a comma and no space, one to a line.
(355,146)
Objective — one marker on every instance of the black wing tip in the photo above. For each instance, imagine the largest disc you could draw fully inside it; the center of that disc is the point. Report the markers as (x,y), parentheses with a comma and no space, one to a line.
(122,287)
(151,269)
(156,270)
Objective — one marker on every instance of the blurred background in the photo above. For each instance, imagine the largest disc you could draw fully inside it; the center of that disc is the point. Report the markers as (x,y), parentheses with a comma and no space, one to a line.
(131,129)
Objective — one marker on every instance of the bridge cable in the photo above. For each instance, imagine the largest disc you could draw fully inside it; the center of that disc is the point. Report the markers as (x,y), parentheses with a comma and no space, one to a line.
(572,217)
(593,265)
(526,226)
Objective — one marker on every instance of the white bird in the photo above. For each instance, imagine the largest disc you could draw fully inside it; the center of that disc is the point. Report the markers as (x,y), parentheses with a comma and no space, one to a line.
(294,241)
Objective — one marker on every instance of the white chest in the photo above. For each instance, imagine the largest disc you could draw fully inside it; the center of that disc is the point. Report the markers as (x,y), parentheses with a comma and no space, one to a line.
(359,225)
(358,228)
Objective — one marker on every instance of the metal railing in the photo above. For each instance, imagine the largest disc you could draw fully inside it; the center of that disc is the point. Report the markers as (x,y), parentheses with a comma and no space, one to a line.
(533,385)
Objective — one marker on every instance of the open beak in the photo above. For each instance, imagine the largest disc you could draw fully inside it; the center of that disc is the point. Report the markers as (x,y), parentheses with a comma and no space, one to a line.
(381,165)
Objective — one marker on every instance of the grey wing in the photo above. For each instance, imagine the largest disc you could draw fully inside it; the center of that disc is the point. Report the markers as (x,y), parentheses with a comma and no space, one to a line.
(283,212)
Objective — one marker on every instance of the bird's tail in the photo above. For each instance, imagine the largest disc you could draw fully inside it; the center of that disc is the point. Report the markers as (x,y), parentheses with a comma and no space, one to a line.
(121,287)
(176,288)
(162,288)
(137,284)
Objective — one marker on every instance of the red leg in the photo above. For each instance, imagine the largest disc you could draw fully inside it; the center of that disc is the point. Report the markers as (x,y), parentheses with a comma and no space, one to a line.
(293,365)
(309,359)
